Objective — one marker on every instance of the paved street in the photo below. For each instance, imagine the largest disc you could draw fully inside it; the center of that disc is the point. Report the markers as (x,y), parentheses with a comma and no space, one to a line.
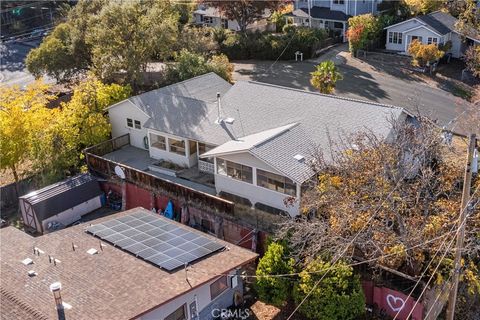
(361,81)
(12,66)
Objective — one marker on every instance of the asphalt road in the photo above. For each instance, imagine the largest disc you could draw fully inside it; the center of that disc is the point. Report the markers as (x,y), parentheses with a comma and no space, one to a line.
(12,63)
(360,81)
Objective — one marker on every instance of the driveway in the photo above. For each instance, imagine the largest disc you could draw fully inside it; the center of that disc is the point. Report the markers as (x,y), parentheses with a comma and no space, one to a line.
(363,81)
(12,63)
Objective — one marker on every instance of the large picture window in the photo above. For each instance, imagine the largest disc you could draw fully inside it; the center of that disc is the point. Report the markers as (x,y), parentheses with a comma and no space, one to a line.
(177,146)
(276,182)
(158,142)
(217,287)
(178,314)
(234,170)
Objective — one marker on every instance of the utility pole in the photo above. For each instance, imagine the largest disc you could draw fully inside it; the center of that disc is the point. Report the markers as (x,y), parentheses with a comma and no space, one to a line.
(467,183)
(309,15)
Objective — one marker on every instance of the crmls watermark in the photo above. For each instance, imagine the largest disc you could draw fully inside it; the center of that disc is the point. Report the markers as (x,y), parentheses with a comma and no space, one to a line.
(240,314)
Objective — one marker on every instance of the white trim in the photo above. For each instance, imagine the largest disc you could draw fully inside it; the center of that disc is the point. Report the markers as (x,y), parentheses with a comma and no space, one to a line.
(426,27)
(397,24)
(128,100)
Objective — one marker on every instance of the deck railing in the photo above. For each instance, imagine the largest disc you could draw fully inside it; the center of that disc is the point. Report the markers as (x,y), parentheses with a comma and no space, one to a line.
(106,168)
(205,166)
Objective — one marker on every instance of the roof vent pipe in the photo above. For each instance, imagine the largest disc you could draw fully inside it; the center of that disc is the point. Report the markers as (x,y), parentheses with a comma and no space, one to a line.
(219,119)
(55,288)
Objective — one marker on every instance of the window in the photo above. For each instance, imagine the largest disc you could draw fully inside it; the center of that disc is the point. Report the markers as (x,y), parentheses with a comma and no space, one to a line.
(158,142)
(395,37)
(201,18)
(138,125)
(217,287)
(276,182)
(178,314)
(193,146)
(338,25)
(431,40)
(208,20)
(338,1)
(234,170)
(129,123)
(225,23)
(271,210)
(202,148)
(177,146)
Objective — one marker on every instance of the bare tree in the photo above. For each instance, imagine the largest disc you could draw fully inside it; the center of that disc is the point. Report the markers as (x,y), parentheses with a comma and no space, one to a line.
(397,193)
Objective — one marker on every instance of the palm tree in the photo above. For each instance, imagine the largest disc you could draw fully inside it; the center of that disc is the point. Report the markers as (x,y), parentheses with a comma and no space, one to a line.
(325,77)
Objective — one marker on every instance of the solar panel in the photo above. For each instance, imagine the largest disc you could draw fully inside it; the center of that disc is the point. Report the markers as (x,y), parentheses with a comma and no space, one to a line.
(171,264)
(136,248)
(156,239)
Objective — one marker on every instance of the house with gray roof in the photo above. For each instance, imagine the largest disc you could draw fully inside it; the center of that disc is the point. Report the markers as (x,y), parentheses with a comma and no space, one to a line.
(257,140)
(437,27)
(331,15)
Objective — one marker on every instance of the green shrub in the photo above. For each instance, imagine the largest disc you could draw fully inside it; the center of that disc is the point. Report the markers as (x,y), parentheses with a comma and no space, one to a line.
(189,64)
(274,290)
(338,296)
(268,46)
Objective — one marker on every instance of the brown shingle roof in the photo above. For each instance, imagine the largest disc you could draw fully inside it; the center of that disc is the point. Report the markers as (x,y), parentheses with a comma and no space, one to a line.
(109,285)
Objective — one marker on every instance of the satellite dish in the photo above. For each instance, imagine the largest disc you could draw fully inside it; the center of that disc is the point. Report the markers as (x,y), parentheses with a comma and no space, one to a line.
(119,172)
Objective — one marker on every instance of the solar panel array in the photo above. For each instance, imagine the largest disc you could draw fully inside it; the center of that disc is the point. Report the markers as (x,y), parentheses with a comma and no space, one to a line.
(155,239)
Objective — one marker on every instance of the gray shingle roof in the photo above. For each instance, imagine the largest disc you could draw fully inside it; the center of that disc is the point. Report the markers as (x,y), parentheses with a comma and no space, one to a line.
(257,107)
(439,21)
(320,13)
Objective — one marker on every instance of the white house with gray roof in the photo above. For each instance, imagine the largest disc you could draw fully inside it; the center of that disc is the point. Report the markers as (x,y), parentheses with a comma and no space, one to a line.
(257,139)
(437,27)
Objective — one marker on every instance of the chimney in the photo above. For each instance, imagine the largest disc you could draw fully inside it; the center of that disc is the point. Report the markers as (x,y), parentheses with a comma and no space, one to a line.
(55,288)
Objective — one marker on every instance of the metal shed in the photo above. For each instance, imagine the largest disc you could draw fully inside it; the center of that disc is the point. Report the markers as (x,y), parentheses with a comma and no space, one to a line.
(64,202)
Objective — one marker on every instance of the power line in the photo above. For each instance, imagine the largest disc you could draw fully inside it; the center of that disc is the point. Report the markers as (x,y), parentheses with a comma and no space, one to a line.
(351,242)
(441,259)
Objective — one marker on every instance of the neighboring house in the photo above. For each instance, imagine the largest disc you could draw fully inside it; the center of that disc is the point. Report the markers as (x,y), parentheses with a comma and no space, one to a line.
(60,204)
(212,17)
(437,27)
(256,139)
(120,267)
(330,14)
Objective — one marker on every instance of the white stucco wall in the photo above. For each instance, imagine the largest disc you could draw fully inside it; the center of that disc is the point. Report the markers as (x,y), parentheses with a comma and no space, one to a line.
(201,294)
(73,214)
(118,115)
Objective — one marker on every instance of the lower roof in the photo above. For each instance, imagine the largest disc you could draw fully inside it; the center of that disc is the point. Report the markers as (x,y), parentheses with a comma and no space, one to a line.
(111,284)
(320,13)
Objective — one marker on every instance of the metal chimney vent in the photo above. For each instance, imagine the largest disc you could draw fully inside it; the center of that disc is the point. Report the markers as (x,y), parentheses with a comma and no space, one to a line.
(299,157)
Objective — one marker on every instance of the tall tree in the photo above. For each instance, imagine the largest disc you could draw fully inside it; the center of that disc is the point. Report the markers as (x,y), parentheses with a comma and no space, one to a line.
(423,6)
(400,198)
(127,35)
(17,110)
(325,77)
(469,19)
(245,12)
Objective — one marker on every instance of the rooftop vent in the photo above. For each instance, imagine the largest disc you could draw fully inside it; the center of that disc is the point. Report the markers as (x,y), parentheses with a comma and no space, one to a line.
(299,157)
(32,273)
(229,120)
(27,261)
(92,251)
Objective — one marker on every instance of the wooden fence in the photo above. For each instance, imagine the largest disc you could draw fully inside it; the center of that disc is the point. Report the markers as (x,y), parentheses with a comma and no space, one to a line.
(106,168)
